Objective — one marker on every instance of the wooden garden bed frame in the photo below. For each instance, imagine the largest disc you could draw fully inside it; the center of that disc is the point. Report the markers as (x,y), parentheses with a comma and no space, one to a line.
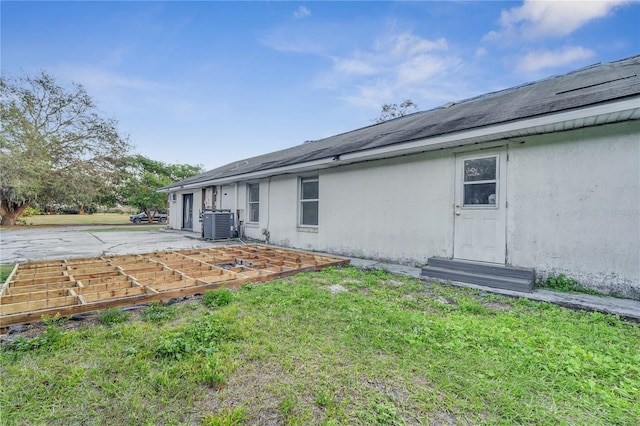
(75,286)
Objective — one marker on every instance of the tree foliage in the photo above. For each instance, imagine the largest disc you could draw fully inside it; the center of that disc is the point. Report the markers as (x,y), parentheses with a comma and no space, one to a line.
(146,176)
(55,147)
(391,111)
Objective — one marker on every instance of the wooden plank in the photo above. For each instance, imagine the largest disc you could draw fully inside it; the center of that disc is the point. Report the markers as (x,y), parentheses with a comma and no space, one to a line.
(47,264)
(112,294)
(81,277)
(36,281)
(36,275)
(34,305)
(172,285)
(104,287)
(81,299)
(36,295)
(41,287)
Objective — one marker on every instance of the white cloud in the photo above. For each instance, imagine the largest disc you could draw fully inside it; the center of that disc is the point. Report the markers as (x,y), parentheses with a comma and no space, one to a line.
(353,66)
(398,66)
(302,12)
(421,68)
(409,44)
(537,19)
(535,61)
(99,79)
(480,52)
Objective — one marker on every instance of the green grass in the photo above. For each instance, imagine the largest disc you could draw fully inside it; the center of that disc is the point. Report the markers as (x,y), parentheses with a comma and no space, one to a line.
(386,351)
(5,270)
(75,219)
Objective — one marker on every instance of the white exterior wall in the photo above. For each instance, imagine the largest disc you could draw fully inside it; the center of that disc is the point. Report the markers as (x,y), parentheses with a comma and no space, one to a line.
(574,206)
(400,212)
(175,210)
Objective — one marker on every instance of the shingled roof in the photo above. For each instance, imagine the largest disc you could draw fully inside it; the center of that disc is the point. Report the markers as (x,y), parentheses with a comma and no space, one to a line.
(597,84)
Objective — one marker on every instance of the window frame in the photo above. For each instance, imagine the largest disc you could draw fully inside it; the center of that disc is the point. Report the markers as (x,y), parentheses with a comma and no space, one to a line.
(301,201)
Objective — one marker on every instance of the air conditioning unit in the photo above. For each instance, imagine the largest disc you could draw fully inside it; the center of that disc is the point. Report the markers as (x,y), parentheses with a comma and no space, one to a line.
(217,225)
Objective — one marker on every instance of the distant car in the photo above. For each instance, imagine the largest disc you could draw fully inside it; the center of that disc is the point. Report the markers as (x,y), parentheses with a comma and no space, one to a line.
(142,217)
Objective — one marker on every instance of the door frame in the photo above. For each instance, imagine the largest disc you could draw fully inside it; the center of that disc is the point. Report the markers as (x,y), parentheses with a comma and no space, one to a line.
(501,152)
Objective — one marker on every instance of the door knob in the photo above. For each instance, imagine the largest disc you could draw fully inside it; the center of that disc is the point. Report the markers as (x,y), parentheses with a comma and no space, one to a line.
(457,213)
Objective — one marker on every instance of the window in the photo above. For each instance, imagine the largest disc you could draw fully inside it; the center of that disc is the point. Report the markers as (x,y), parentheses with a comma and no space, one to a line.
(253,189)
(309,201)
(480,181)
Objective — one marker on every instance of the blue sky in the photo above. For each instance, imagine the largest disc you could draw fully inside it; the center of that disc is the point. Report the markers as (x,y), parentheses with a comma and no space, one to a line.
(212,82)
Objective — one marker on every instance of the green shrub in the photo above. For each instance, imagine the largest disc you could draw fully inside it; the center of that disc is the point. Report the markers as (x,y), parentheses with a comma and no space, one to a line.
(216,298)
(30,211)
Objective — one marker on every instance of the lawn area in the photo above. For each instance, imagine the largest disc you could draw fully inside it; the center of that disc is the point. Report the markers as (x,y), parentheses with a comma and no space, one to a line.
(340,346)
(76,219)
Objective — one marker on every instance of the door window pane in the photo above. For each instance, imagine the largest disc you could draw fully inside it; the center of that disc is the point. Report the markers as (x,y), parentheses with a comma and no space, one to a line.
(480,169)
(480,193)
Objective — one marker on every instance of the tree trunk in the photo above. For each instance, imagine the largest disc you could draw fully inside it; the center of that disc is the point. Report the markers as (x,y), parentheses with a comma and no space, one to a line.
(11,211)
(80,209)
(149,215)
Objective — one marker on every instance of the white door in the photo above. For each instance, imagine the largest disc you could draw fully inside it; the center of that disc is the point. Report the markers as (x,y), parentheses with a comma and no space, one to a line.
(479,211)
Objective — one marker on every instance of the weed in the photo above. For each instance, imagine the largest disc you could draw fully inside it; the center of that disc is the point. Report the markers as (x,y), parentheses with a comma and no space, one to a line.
(213,372)
(381,414)
(227,417)
(564,283)
(159,313)
(113,316)
(53,337)
(217,298)
(173,345)
(288,405)
(199,337)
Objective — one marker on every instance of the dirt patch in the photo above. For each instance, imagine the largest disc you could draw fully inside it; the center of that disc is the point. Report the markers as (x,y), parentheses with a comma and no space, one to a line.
(497,306)
(337,288)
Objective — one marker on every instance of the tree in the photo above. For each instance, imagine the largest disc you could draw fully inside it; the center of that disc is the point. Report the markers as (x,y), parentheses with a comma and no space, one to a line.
(54,145)
(391,111)
(146,176)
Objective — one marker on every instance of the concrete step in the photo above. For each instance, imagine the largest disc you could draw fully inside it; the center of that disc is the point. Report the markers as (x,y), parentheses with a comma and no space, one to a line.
(484,279)
(481,268)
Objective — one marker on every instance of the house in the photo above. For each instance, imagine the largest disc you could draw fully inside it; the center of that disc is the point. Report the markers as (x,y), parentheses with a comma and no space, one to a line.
(542,176)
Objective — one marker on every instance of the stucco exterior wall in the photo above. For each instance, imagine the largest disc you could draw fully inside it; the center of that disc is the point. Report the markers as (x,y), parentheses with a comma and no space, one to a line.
(399,212)
(175,209)
(574,206)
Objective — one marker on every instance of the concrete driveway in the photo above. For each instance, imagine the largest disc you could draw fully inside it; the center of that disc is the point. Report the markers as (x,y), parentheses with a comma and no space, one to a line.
(22,245)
